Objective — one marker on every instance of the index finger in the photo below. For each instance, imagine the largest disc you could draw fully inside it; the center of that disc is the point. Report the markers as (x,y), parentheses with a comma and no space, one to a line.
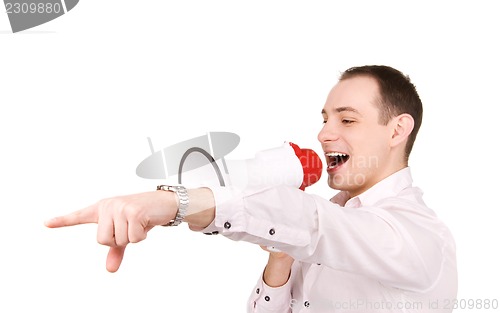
(83,216)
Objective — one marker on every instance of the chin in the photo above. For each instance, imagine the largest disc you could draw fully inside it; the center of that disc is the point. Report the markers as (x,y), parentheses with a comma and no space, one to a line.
(334,183)
(351,183)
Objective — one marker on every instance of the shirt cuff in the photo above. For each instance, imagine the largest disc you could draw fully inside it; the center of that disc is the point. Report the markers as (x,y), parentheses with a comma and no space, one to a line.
(221,195)
(271,299)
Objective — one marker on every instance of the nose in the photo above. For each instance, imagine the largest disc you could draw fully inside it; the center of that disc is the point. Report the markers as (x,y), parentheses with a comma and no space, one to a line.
(328,133)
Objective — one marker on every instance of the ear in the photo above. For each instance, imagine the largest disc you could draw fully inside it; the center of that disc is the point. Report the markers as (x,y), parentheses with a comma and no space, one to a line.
(402,125)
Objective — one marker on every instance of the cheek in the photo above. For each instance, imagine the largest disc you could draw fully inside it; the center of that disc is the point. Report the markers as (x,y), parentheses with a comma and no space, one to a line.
(369,140)
(369,153)
(365,162)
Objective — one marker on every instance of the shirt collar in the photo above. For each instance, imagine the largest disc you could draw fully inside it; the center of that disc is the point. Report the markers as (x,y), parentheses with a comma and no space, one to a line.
(388,187)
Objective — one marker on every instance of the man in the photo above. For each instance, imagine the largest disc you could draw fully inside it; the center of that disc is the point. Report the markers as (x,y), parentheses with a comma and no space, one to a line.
(374,247)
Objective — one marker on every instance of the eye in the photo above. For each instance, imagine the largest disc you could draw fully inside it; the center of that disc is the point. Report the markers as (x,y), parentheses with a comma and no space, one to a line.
(347,121)
(325,118)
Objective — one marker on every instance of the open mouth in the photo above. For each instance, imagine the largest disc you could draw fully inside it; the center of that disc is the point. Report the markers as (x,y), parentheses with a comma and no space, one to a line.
(336,159)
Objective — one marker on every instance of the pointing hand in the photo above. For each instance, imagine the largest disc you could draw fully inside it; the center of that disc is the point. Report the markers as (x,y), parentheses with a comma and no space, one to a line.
(122,220)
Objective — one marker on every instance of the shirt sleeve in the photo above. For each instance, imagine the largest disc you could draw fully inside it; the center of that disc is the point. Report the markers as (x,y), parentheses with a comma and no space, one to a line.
(266,299)
(370,241)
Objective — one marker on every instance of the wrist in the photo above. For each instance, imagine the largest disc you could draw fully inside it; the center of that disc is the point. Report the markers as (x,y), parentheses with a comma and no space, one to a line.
(181,199)
(201,210)
(278,269)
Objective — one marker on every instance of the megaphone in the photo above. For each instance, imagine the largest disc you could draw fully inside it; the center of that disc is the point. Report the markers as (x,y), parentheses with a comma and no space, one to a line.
(201,161)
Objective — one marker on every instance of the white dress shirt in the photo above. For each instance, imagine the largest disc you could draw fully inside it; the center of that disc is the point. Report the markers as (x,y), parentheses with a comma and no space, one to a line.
(382,251)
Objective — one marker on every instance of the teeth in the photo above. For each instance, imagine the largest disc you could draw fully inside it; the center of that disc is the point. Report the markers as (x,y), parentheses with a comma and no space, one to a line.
(335,154)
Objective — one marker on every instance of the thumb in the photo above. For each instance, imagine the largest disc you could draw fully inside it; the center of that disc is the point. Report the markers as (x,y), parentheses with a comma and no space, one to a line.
(114,259)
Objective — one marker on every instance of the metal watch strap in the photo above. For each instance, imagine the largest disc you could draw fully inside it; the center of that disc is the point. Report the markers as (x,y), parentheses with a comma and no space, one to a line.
(182,194)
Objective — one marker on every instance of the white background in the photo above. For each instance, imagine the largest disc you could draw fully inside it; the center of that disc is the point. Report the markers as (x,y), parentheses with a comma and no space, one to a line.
(80,95)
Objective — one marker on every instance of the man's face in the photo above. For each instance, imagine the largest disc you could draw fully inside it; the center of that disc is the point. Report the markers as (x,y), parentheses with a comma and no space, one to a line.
(356,145)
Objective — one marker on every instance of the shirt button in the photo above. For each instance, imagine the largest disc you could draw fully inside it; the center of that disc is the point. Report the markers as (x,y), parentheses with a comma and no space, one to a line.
(272,231)
(257,291)
(227,225)
(307,304)
(212,233)
(267,298)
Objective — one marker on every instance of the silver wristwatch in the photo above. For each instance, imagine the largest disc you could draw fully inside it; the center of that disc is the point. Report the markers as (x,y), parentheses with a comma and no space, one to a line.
(182,194)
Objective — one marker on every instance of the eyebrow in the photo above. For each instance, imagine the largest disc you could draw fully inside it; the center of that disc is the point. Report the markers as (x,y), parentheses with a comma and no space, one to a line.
(343,109)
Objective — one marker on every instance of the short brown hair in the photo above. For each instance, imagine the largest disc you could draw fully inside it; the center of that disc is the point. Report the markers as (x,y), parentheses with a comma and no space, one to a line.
(398,95)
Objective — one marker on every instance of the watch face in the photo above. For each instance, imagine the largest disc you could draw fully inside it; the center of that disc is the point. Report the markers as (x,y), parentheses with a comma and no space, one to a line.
(170,188)
(164,187)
